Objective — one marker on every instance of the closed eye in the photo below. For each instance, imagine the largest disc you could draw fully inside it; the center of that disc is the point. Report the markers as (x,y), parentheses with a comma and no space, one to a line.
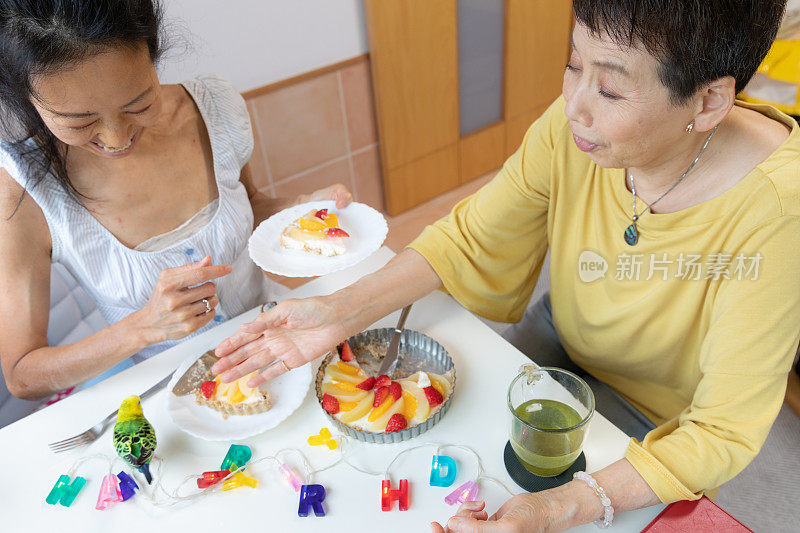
(140,111)
(81,127)
(610,96)
(602,92)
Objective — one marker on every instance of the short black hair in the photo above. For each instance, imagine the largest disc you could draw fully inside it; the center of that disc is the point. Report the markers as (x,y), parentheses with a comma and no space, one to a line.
(695,41)
(40,36)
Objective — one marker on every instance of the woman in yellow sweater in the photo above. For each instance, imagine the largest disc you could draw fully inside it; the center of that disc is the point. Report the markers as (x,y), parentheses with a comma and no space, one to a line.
(672,215)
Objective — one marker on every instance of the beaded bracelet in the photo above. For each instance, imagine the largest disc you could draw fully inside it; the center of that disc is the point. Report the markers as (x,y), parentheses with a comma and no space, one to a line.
(608,510)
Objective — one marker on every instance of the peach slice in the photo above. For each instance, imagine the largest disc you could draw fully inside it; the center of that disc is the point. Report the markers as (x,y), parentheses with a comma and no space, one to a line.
(341,394)
(242,382)
(224,390)
(361,409)
(338,375)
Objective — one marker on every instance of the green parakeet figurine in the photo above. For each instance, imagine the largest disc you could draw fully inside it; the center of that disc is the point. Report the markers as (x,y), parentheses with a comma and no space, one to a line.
(134,437)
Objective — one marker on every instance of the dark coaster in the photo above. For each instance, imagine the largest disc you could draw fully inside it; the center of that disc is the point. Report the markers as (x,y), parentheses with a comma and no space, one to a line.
(534,483)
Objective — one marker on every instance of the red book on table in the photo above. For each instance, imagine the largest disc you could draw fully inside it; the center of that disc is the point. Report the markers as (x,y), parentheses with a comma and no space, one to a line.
(699,516)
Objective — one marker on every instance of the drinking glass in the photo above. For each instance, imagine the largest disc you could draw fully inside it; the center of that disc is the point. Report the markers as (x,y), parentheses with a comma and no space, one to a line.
(550,410)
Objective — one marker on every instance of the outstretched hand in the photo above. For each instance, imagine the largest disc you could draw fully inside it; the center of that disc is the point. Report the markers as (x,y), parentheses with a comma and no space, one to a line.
(521,514)
(282,338)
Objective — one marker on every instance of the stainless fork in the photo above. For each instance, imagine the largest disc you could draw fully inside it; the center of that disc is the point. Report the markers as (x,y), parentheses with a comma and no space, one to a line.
(91,434)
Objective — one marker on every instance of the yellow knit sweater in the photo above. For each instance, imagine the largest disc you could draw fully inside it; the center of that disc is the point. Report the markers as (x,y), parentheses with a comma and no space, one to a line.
(696,325)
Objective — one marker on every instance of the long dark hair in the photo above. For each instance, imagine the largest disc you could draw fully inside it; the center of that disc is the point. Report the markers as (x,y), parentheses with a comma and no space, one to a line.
(39,37)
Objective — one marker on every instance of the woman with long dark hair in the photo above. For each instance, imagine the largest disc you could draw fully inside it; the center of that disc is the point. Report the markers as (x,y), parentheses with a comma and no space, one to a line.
(136,187)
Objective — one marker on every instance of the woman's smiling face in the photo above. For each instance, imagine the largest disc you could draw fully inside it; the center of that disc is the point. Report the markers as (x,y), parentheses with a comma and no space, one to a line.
(619,112)
(103,103)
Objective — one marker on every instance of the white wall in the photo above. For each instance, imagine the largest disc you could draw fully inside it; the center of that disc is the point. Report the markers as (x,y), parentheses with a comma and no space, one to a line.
(256,42)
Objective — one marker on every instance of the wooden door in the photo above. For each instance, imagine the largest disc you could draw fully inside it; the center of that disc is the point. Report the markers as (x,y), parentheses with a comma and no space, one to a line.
(537,51)
(414,60)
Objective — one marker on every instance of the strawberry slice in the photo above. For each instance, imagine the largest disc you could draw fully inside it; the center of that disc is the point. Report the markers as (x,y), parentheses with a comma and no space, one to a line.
(383,381)
(396,423)
(347,353)
(336,232)
(208,388)
(381,394)
(395,390)
(433,396)
(321,214)
(330,403)
(367,384)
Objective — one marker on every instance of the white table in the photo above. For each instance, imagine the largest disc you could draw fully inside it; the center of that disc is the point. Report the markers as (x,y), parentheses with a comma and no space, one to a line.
(485,365)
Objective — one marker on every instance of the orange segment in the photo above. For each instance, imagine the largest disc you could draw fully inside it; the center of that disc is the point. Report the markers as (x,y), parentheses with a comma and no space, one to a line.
(410,405)
(237,396)
(377,412)
(438,386)
(332,220)
(348,369)
(345,387)
(311,225)
(347,406)
(379,424)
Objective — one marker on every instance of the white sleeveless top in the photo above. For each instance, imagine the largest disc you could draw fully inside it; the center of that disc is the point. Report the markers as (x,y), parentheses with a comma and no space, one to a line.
(121,279)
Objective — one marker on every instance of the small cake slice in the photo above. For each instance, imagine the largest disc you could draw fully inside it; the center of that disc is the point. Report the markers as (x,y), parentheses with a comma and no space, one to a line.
(317,232)
(234,398)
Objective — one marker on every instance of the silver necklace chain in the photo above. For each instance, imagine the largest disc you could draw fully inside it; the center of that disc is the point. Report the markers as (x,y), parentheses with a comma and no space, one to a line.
(636,217)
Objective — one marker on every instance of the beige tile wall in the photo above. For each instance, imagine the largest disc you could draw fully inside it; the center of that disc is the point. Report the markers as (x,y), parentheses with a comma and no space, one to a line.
(318,132)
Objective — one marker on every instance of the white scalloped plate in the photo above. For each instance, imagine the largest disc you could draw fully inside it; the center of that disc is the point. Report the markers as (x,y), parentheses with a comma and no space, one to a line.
(286,392)
(366,226)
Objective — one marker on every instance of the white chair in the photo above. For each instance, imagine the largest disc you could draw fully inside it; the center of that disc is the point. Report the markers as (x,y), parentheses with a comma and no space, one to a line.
(73,316)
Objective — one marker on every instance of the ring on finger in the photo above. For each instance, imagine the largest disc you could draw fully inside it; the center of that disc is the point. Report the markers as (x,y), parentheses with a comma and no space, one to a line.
(285,366)
(208,306)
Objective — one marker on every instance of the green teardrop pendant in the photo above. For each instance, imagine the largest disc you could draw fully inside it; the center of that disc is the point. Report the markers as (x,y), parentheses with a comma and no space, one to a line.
(631,235)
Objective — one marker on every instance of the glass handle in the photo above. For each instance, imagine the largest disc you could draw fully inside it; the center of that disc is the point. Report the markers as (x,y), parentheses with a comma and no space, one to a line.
(531,372)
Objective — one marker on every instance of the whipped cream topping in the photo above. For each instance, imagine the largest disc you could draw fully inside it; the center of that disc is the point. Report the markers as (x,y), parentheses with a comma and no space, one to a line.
(423,380)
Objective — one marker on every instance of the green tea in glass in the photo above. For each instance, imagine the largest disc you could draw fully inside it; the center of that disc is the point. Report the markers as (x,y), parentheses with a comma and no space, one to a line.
(550,412)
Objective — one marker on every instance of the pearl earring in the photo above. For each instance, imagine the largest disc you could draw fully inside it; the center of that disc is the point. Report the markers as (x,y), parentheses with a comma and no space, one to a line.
(690,127)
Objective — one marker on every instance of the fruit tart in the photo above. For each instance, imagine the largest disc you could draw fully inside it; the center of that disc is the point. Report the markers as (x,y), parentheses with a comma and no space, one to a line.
(378,404)
(317,232)
(234,398)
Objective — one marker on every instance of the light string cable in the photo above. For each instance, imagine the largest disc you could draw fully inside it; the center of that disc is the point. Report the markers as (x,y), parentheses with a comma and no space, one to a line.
(174,497)
(85,459)
(481,472)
